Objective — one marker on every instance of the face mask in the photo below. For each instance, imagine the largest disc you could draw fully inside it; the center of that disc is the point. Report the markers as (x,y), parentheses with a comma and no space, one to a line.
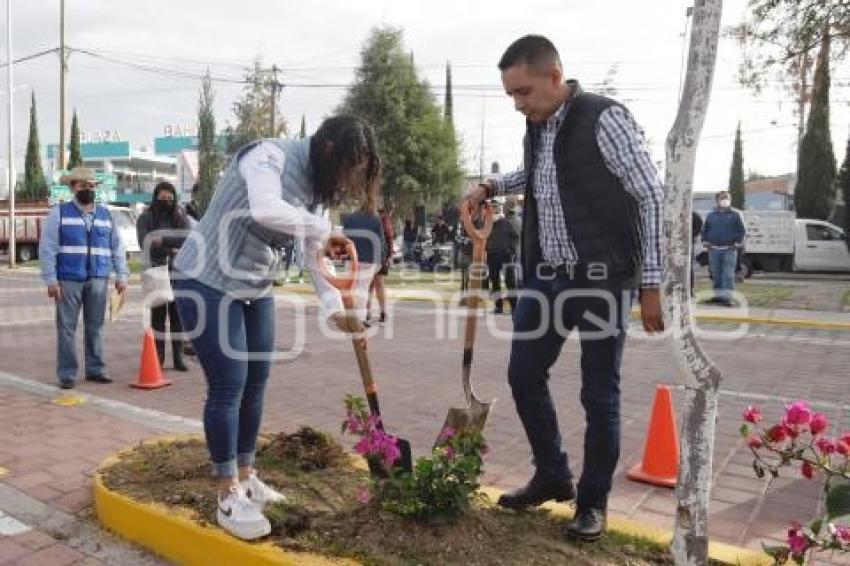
(166,204)
(85,196)
(725,203)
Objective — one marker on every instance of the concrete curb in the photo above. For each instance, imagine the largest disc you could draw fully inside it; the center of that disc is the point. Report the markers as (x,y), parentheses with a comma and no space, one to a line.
(183,540)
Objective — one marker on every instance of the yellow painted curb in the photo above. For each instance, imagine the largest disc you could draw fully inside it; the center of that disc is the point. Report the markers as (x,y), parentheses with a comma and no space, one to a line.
(721,552)
(182,540)
(69,400)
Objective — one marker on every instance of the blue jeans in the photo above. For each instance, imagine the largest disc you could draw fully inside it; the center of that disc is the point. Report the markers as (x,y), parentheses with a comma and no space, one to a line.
(90,296)
(528,375)
(722,264)
(234,348)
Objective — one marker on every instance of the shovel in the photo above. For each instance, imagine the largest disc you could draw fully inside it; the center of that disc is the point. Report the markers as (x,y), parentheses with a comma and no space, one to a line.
(473,417)
(346,285)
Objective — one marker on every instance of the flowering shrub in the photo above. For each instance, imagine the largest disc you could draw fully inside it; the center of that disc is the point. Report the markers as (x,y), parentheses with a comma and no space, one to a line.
(799,438)
(439,488)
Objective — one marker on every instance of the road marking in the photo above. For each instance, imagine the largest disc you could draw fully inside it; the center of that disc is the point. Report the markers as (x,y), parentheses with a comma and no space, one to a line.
(10,526)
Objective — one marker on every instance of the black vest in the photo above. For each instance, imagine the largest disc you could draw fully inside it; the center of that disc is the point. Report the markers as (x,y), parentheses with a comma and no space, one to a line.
(602,218)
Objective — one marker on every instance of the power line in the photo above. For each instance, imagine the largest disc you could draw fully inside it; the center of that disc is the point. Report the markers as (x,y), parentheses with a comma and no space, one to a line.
(31,57)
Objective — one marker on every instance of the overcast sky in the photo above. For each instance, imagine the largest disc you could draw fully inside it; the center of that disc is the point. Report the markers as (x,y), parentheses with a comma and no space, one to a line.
(318,42)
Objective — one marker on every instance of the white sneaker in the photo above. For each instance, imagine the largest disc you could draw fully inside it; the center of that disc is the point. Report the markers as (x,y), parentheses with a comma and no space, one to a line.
(238,516)
(259,493)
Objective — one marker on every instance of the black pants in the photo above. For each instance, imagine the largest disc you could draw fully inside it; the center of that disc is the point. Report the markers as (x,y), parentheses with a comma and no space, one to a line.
(158,315)
(496,262)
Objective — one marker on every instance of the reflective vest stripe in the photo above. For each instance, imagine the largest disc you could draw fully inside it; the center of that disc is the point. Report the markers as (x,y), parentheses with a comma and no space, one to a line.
(84,250)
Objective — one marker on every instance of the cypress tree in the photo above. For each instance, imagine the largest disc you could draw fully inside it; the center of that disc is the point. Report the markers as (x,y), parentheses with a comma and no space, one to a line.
(814,194)
(736,174)
(35,185)
(75,157)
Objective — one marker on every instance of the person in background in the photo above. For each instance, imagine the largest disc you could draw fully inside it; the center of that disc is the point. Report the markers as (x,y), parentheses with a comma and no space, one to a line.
(79,248)
(723,235)
(222,281)
(696,230)
(501,247)
(161,231)
(408,237)
(378,283)
(192,208)
(365,229)
(440,233)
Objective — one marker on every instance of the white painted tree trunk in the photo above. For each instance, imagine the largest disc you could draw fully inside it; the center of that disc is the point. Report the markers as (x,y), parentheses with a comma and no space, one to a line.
(700,376)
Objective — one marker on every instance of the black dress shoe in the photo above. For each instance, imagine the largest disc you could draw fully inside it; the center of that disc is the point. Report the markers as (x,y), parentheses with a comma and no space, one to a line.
(588,525)
(66,384)
(98,379)
(539,490)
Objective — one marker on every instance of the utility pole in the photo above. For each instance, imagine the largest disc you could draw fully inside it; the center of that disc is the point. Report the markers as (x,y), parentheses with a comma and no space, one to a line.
(275,88)
(10,108)
(63,71)
(481,148)
(801,97)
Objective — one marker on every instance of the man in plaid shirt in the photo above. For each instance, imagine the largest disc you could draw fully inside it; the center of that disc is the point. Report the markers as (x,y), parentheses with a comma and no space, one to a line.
(592,235)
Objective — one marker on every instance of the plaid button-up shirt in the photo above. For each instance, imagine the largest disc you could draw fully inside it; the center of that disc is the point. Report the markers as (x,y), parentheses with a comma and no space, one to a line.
(621,144)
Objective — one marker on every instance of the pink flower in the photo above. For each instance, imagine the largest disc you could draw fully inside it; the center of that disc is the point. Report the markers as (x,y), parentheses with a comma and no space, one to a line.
(825,446)
(798,414)
(446,434)
(450,453)
(752,414)
(808,470)
(777,433)
(842,532)
(842,448)
(754,441)
(818,423)
(797,541)
(364,496)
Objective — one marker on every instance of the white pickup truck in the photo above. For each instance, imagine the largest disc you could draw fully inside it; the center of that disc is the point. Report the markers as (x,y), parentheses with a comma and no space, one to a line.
(779,241)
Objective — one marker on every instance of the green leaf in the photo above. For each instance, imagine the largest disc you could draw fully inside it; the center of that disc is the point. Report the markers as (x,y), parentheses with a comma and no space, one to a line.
(815,526)
(838,501)
(745,430)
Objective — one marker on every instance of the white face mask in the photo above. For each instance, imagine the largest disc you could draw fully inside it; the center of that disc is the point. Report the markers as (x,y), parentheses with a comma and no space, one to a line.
(725,203)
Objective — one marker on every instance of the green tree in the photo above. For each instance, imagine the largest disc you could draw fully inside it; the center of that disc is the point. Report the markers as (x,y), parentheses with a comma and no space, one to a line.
(253,111)
(418,148)
(842,185)
(781,36)
(75,157)
(210,158)
(736,174)
(448,105)
(35,185)
(814,194)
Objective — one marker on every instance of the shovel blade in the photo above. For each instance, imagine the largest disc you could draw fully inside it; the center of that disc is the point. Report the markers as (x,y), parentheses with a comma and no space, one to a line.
(471,419)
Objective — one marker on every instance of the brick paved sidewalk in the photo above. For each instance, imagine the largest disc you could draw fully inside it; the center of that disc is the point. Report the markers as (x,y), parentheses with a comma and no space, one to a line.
(48,454)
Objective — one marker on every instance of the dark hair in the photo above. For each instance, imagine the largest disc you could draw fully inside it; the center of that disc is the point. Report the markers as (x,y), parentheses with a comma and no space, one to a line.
(159,211)
(340,143)
(533,50)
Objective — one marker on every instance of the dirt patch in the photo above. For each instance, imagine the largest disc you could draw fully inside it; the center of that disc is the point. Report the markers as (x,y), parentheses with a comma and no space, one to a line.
(323,513)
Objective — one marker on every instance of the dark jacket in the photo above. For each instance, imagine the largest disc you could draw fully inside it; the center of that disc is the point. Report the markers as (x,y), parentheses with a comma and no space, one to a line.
(602,217)
(723,227)
(366,232)
(162,253)
(503,238)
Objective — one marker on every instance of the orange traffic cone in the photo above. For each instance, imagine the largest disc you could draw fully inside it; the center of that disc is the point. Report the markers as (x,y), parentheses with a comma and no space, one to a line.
(660,464)
(150,375)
